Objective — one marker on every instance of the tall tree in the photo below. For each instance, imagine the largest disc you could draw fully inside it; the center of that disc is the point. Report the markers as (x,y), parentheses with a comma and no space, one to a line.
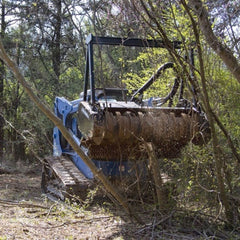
(2,76)
(56,41)
(49,33)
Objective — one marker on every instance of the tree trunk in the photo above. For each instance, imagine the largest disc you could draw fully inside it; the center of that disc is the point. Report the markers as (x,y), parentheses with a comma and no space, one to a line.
(219,162)
(2,76)
(19,145)
(161,194)
(56,44)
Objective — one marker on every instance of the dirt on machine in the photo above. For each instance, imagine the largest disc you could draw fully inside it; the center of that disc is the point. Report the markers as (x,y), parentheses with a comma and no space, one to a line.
(111,125)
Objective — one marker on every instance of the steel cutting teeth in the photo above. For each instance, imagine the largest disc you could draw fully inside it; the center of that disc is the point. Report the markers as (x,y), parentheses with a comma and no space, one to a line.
(129,127)
(120,132)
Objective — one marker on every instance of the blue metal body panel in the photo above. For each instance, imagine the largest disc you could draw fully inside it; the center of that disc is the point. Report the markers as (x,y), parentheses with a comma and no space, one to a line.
(65,110)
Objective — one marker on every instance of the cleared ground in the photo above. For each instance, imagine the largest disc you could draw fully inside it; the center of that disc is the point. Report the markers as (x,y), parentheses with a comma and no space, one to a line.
(27,214)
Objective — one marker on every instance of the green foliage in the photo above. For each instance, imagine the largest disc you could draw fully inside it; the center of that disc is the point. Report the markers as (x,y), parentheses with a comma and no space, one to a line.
(143,67)
(71,83)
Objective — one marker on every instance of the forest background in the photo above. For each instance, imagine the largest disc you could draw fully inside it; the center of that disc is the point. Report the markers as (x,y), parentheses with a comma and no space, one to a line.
(47,41)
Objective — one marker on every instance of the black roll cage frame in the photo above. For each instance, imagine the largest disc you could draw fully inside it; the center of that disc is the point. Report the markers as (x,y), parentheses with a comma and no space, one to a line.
(129,42)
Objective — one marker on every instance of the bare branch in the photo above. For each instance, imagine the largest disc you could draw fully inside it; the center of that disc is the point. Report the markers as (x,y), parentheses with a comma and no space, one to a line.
(222,50)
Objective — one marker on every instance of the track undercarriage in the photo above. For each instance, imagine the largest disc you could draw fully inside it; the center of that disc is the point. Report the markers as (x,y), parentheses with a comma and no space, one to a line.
(61,179)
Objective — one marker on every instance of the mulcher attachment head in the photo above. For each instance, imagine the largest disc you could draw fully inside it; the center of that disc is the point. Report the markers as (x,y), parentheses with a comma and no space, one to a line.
(117,130)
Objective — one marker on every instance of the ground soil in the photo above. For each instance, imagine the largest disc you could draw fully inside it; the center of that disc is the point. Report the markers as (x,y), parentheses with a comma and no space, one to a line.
(25,213)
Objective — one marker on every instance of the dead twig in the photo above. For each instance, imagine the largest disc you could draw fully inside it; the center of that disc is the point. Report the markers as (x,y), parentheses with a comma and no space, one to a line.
(71,222)
(154,224)
(21,204)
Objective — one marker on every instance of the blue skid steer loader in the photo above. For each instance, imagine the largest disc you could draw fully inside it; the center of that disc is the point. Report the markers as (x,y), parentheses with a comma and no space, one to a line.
(110,125)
